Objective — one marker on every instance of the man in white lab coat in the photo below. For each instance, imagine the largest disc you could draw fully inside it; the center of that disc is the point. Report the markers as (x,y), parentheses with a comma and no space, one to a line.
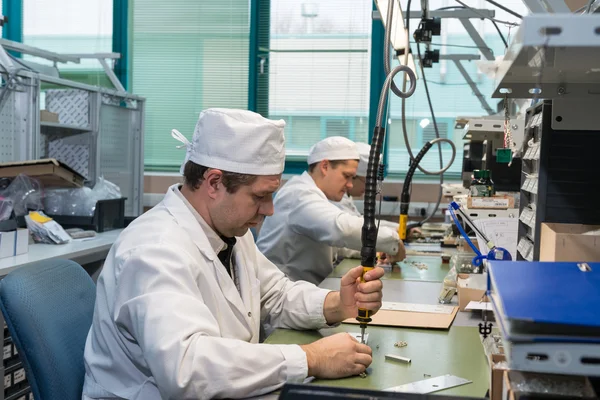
(306,230)
(184,289)
(358,186)
(358,190)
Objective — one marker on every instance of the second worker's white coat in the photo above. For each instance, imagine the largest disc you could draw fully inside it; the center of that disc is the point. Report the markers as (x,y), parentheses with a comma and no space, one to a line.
(302,234)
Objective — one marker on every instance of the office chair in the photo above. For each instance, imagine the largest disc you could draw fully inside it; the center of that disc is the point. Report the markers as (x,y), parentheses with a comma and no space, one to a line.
(48,308)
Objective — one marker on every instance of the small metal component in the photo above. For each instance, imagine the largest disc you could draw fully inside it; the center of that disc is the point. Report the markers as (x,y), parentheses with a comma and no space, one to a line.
(397,358)
(426,376)
(362,334)
(584,267)
(561,90)
(363,375)
(400,344)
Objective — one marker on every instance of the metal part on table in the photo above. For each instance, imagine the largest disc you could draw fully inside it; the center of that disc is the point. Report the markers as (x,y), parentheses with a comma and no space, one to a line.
(358,336)
(430,385)
(394,357)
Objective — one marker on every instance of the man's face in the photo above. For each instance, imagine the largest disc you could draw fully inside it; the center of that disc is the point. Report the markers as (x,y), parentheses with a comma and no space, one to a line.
(337,180)
(234,213)
(358,186)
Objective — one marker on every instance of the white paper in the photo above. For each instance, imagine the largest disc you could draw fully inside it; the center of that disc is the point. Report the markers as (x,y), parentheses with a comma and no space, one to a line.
(502,232)
(479,305)
(422,308)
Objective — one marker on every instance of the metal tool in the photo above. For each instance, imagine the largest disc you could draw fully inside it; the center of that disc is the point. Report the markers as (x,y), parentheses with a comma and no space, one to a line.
(430,385)
(369,229)
(495,253)
(397,358)
(364,316)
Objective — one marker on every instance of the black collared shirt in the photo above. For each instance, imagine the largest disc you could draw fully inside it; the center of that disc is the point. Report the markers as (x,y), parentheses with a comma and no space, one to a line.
(227,252)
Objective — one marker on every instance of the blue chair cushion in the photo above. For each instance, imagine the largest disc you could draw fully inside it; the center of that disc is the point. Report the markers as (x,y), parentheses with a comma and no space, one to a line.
(48,307)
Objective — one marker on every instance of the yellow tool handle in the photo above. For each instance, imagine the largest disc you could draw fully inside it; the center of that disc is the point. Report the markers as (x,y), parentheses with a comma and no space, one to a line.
(402,226)
(362,312)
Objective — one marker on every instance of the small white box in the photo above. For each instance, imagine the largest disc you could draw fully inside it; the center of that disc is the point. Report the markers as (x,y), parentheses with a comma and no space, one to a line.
(14,243)
(19,376)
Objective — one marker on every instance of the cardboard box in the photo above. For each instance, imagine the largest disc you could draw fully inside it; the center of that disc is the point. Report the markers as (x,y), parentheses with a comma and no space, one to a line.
(497,367)
(495,202)
(471,287)
(14,243)
(50,172)
(47,116)
(568,242)
(519,385)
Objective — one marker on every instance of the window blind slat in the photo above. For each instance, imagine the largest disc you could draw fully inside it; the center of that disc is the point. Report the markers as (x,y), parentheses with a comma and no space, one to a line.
(319,67)
(187,56)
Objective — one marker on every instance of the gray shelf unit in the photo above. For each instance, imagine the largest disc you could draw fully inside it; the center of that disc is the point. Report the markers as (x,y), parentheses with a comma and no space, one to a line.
(559,184)
(114,126)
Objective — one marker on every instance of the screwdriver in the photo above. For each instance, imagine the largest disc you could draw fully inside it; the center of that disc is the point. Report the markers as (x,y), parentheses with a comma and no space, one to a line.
(364,315)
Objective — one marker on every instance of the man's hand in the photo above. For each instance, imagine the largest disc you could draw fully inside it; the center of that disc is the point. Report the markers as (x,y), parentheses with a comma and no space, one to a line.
(392,259)
(337,356)
(355,294)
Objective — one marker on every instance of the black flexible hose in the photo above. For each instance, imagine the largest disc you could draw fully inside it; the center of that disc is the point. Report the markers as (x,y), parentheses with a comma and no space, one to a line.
(369,230)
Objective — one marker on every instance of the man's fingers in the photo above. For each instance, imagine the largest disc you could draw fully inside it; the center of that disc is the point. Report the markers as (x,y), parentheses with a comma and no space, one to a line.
(363,359)
(368,297)
(370,287)
(374,274)
(351,276)
(363,348)
(372,306)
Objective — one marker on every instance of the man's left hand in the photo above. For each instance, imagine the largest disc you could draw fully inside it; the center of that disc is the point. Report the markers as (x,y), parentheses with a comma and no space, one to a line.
(355,294)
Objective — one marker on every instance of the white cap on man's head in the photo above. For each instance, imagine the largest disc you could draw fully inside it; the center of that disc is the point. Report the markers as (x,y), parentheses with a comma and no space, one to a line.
(333,148)
(363,149)
(236,141)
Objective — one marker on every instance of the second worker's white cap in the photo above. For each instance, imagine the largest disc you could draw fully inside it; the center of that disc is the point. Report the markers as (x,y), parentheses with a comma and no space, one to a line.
(333,148)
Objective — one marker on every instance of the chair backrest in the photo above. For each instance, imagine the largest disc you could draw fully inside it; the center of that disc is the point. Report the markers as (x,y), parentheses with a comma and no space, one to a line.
(48,307)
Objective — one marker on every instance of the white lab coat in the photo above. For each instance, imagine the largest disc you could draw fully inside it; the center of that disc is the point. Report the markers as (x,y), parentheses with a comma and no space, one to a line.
(347,204)
(169,322)
(302,234)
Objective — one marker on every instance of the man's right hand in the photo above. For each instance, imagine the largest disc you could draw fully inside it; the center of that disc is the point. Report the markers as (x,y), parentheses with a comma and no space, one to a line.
(392,259)
(337,356)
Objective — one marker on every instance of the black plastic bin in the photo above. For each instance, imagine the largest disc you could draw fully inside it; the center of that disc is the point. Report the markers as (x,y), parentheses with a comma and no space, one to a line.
(109,215)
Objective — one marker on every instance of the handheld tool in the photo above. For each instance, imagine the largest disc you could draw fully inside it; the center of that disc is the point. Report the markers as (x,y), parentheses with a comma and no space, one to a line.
(495,253)
(369,229)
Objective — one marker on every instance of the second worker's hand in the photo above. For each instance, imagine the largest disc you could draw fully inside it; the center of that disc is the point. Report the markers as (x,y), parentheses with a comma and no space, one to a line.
(393,259)
(355,294)
(337,356)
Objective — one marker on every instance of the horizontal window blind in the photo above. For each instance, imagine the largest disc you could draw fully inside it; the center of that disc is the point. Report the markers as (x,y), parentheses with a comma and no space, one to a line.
(319,65)
(187,56)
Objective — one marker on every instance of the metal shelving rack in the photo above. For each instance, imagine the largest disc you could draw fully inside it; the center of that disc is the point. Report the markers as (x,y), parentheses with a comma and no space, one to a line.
(109,144)
(555,57)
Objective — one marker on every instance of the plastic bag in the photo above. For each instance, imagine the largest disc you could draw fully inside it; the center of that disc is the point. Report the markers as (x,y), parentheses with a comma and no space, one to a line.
(6,207)
(25,193)
(81,201)
(106,190)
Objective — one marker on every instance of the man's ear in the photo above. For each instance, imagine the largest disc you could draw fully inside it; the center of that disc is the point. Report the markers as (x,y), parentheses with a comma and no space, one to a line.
(324,166)
(214,181)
